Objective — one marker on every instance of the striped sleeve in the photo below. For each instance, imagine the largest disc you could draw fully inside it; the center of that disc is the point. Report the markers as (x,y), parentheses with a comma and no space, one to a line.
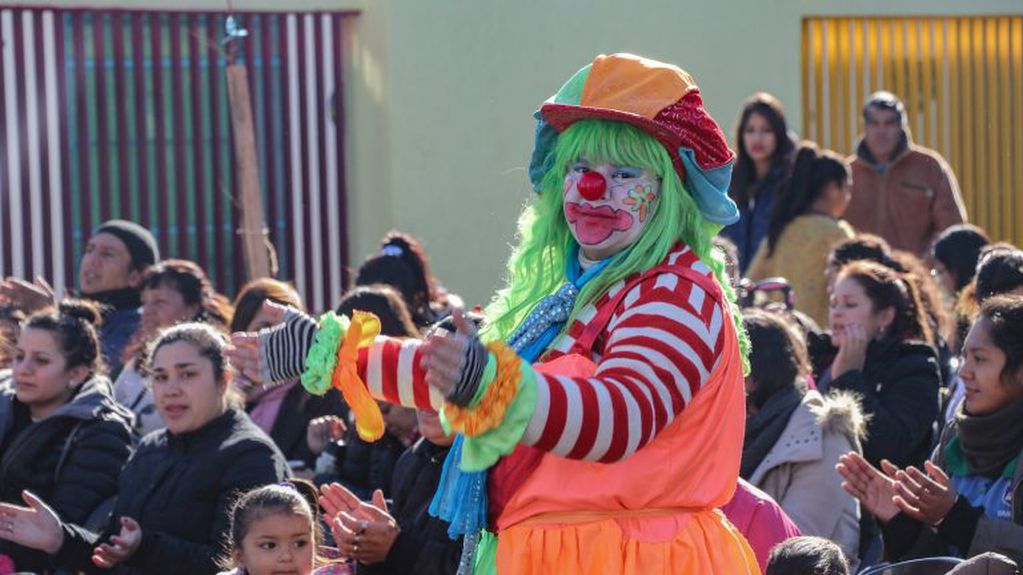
(392,371)
(391,368)
(286,345)
(660,349)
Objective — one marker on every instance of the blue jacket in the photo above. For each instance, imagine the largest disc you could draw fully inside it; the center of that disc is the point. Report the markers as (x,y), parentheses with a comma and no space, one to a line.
(754,217)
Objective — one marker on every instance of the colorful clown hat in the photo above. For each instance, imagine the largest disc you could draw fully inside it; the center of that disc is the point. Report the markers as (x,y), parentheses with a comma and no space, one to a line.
(658,98)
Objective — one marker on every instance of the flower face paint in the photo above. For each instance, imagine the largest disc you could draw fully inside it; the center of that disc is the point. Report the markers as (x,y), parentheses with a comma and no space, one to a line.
(605,226)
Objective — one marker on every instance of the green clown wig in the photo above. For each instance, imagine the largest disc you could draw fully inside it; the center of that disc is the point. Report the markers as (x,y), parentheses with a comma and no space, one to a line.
(536,267)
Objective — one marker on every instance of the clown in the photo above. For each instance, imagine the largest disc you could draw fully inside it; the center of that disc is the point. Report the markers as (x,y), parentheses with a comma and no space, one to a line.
(600,410)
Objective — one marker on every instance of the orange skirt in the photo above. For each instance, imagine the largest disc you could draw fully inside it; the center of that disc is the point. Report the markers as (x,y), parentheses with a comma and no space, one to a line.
(674,542)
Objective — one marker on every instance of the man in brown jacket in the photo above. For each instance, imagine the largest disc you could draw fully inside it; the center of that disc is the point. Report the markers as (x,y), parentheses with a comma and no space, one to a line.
(905,193)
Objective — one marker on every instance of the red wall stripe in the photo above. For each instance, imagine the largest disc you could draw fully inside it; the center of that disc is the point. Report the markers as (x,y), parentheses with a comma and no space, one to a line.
(286,112)
(102,136)
(141,137)
(339,124)
(304,155)
(65,151)
(159,121)
(82,105)
(5,192)
(329,294)
(198,142)
(44,146)
(178,113)
(24,244)
(127,198)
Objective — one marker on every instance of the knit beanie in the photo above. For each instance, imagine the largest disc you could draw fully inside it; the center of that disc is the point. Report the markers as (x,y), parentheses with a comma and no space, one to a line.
(140,243)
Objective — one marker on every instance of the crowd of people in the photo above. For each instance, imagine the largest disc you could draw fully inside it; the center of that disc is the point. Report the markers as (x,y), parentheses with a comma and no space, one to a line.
(883,400)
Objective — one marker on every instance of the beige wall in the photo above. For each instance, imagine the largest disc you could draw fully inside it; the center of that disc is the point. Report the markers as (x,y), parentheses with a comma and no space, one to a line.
(440,96)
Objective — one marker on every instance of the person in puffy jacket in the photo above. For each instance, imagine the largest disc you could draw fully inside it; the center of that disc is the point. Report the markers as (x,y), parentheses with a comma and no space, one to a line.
(62,435)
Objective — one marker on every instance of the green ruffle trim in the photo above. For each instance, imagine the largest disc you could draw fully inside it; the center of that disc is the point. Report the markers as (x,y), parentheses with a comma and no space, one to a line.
(486,554)
(322,357)
(482,451)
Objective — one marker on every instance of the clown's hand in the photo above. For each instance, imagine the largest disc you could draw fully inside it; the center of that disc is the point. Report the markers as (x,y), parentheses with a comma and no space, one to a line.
(454,363)
(277,353)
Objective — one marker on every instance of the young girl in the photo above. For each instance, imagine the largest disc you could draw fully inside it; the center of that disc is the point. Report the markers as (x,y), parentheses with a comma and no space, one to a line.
(274,529)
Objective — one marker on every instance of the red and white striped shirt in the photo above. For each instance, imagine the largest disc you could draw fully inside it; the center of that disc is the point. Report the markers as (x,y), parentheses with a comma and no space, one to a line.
(659,349)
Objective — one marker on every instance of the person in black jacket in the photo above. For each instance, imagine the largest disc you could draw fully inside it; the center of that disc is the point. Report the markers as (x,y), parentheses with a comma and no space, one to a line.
(885,356)
(407,539)
(62,435)
(175,493)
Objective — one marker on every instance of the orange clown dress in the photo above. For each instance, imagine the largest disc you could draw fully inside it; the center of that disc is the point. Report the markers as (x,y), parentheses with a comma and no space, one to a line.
(653,512)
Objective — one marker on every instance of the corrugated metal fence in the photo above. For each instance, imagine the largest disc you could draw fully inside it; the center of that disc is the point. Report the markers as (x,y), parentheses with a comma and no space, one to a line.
(962,82)
(108,114)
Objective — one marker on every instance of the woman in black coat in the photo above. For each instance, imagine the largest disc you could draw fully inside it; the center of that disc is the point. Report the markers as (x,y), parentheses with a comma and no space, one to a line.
(62,434)
(175,494)
(885,356)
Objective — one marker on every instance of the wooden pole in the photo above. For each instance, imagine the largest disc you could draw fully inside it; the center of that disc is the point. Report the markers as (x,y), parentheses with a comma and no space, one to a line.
(255,243)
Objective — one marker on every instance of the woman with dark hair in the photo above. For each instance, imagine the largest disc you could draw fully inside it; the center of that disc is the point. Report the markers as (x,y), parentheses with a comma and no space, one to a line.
(62,435)
(875,249)
(173,291)
(955,254)
(795,435)
(804,224)
(175,494)
(764,151)
(967,498)
(402,264)
(285,411)
(999,272)
(886,356)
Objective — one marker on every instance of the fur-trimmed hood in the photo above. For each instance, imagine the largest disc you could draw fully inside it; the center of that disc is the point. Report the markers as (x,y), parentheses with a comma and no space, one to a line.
(815,420)
(840,412)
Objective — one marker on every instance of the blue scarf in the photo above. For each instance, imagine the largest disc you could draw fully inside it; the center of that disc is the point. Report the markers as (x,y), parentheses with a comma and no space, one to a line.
(461,497)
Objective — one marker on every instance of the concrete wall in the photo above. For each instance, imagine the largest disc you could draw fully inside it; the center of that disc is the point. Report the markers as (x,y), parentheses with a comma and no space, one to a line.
(441,92)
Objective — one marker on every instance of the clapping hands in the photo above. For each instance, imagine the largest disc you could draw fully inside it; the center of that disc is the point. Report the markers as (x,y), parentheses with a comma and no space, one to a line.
(887,491)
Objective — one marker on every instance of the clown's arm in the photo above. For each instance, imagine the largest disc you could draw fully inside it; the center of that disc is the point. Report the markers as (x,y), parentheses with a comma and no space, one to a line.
(661,347)
(391,368)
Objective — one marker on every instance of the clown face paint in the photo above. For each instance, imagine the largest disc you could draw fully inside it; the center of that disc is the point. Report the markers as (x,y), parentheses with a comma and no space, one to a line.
(607,225)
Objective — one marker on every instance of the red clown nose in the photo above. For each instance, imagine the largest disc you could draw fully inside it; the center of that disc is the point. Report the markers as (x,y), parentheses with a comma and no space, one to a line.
(592,186)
